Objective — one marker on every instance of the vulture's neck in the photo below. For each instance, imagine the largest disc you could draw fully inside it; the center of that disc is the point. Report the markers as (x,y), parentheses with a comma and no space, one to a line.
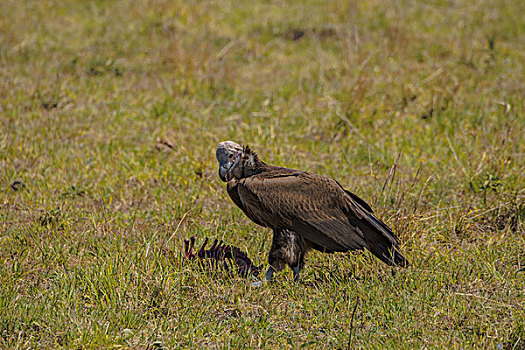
(251,164)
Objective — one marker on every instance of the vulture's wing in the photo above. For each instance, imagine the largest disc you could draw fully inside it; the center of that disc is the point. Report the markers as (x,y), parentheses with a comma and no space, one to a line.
(319,209)
(233,192)
(359,200)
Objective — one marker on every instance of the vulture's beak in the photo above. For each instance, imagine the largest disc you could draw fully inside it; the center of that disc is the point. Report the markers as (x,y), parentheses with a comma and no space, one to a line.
(223,172)
(226,168)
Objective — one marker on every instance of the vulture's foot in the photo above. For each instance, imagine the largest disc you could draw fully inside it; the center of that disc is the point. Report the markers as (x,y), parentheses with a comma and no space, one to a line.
(296,271)
(267,278)
(269,274)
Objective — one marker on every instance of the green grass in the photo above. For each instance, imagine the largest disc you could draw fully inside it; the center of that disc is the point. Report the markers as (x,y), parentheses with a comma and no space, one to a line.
(417,106)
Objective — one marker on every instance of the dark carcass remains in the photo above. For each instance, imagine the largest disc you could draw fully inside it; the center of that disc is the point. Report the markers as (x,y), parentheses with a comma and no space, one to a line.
(221,254)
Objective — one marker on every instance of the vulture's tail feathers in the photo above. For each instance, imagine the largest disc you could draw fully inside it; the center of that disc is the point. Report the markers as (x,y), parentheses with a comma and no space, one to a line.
(382,242)
(400,260)
(390,256)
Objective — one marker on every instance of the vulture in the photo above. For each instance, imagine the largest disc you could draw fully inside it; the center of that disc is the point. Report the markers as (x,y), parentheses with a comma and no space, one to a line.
(304,210)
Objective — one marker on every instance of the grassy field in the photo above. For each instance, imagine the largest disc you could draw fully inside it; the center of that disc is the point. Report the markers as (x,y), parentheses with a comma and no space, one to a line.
(110,114)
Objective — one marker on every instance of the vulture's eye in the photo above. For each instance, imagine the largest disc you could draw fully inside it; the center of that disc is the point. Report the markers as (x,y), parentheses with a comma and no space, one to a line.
(230,156)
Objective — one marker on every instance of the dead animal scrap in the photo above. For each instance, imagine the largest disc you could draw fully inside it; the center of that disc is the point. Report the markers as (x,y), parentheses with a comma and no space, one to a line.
(221,254)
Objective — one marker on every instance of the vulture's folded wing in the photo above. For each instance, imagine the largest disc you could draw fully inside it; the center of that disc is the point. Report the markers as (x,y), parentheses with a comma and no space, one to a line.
(319,209)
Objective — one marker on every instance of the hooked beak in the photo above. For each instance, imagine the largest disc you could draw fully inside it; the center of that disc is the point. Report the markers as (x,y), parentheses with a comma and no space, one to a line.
(223,173)
(225,169)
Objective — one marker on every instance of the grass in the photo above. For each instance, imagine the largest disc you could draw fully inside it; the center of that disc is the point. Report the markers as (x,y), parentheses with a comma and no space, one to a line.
(110,114)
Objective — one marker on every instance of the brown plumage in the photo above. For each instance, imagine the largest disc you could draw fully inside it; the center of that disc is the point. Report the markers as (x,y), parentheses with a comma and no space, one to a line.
(304,210)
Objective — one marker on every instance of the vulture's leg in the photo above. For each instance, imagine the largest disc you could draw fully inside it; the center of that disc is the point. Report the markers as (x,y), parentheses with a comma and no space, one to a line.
(298,264)
(269,274)
(296,271)
(288,248)
(278,252)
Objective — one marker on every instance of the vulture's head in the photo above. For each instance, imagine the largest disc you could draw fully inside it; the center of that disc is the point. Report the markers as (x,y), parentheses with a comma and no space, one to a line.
(236,161)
